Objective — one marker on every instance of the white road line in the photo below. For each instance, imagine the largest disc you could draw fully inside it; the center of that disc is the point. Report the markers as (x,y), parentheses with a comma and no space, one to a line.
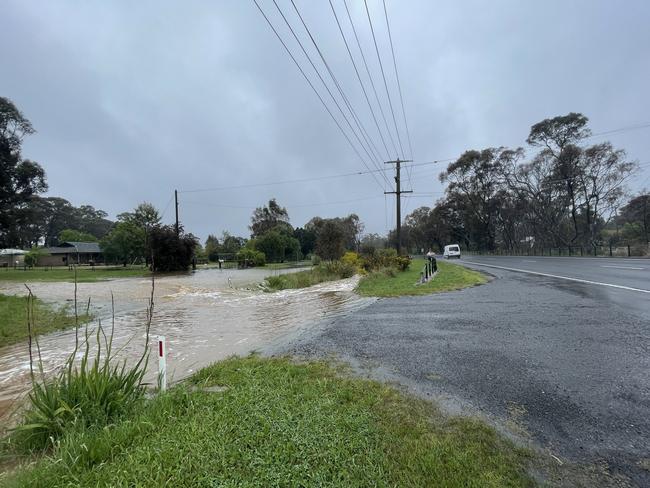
(621,287)
(527,261)
(620,267)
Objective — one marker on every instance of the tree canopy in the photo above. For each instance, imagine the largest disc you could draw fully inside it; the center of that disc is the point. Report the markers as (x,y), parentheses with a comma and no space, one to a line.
(20,179)
(564,195)
(269,217)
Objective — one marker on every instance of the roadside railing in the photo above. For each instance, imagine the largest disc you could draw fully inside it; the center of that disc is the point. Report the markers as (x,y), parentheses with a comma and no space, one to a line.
(428,270)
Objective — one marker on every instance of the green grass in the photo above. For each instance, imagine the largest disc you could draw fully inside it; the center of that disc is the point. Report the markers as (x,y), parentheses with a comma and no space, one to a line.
(449,277)
(13,318)
(84,274)
(329,271)
(278,423)
(288,265)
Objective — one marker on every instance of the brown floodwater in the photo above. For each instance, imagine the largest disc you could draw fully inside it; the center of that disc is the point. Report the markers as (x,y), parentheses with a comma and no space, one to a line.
(205,316)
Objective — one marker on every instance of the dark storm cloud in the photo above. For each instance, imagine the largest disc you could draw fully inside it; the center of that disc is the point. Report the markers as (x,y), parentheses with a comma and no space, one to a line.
(134,99)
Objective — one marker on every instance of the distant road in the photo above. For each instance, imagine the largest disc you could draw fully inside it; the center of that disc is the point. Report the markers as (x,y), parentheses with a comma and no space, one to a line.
(625,282)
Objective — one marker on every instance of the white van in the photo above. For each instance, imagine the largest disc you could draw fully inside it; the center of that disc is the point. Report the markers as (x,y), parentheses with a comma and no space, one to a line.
(452,251)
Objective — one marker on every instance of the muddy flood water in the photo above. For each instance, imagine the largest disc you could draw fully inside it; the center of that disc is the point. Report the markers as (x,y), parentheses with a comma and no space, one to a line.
(205,316)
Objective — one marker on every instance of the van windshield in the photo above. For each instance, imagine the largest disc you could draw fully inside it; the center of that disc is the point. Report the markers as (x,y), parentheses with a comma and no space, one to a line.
(454,248)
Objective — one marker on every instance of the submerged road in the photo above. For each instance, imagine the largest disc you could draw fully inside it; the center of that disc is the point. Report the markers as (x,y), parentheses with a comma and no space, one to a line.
(548,350)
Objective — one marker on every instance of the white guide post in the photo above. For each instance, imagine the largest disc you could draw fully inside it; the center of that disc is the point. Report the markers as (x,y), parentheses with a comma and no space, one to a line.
(162,364)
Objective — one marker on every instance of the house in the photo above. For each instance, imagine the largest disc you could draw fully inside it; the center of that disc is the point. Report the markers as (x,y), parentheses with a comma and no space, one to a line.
(12,257)
(69,253)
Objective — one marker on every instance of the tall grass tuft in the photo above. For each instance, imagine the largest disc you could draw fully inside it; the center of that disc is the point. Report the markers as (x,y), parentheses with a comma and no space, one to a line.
(328,271)
(90,393)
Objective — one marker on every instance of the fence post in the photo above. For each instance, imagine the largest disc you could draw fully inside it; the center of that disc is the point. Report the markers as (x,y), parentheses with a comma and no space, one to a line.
(569,250)
(629,251)
(610,249)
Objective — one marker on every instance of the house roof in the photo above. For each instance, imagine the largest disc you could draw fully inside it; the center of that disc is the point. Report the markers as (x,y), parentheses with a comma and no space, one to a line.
(11,252)
(73,247)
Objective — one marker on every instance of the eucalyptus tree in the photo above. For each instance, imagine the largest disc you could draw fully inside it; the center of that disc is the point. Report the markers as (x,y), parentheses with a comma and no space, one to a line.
(20,179)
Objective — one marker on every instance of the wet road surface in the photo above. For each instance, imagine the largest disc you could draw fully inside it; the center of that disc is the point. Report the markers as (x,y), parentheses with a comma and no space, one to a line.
(565,364)
(615,277)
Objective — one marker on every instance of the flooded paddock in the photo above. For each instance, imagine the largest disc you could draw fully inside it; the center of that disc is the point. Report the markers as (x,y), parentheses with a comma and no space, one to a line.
(205,316)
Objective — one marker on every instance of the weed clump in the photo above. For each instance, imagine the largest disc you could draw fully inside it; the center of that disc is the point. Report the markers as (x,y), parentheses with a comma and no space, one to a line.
(92,394)
(327,271)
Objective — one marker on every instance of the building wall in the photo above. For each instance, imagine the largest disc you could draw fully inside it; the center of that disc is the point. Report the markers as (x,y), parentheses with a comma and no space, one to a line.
(58,259)
(10,261)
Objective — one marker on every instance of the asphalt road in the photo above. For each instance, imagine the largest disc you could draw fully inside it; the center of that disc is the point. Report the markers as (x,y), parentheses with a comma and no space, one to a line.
(614,278)
(562,364)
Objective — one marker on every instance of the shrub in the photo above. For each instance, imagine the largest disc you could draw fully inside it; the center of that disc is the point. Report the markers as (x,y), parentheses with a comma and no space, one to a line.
(32,257)
(315,260)
(387,253)
(170,252)
(248,257)
(402,262)
(353,259)
(339,268)
(386,258)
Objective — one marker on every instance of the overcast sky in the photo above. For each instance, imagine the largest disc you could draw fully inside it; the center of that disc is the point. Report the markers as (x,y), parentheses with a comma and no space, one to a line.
(131,100)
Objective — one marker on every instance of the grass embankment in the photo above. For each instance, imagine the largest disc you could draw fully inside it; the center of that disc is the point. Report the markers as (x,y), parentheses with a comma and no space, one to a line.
(331,271)
(278,423)
(449,277)
(84,274)
(13,318)
(288,264)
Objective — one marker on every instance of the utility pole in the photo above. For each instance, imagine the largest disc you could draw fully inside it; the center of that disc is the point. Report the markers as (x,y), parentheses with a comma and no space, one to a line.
(398,199)
(176,201)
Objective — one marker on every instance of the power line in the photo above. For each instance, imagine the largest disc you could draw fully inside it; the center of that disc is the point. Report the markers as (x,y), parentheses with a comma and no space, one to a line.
(363,88)
(399,88)
(372,83)
(304,180)
(323,82)
(314,89)
(355,117)
(166,207)
(622,129)
(301,205)
(383,75)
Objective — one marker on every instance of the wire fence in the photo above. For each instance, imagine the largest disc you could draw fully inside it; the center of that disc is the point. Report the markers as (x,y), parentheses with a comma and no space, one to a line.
(627,250)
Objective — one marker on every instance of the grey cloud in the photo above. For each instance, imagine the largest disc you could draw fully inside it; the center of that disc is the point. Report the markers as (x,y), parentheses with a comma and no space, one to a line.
(134,99)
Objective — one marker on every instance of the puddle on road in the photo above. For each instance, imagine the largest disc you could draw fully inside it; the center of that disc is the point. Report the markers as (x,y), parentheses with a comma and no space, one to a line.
(201,316)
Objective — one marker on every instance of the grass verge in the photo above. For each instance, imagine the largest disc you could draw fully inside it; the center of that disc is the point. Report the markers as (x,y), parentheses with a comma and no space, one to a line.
(84,274)
(288,265)
(13,318)
(330,271)
(449,277)
(278,423)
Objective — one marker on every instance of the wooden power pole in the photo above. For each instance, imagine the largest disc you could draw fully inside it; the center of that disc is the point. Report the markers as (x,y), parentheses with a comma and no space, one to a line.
(176,202)
(398,200)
